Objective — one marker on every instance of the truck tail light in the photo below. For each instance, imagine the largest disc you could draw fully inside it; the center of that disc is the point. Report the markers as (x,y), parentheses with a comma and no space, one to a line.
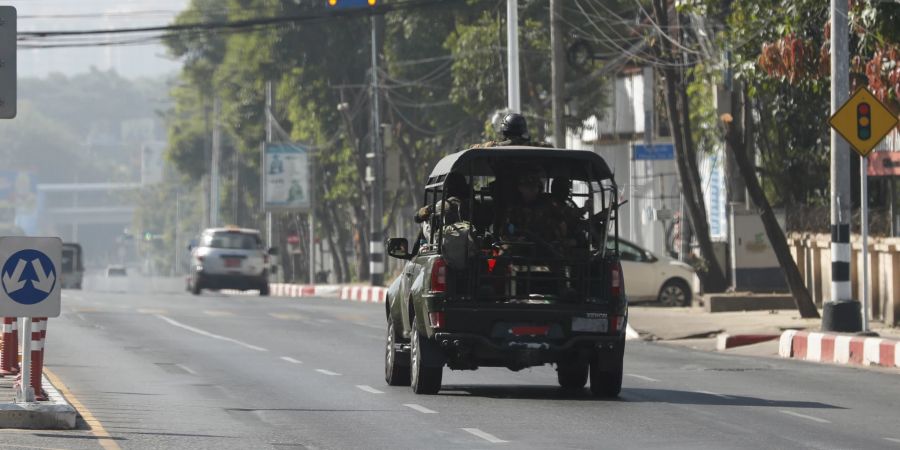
(616,279)
(201,258)
(439,276)
(618,323)
(436,319)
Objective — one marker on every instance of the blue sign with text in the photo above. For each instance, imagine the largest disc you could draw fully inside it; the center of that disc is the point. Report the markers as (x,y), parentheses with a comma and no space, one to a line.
(654,152)
(342,4)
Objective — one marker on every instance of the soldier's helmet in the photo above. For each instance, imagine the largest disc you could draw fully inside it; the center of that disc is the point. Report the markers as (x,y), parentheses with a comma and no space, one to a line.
(514,126)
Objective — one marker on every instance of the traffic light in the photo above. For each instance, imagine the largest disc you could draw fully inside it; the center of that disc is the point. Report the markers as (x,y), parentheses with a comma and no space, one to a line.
(863,121)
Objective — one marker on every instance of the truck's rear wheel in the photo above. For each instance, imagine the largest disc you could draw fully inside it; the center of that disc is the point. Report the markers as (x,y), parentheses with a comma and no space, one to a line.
(424,379)
(572,375)
(606,372)
(395,372)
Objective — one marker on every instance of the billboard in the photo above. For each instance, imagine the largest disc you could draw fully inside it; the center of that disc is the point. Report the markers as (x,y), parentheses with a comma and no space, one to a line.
(286,177)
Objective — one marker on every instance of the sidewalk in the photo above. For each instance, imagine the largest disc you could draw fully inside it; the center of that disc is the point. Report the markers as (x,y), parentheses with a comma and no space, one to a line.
(54,414)
(695,328)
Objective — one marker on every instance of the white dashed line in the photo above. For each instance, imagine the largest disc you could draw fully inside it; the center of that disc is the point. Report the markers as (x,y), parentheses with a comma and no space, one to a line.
(717,395)
(215,313)
(328,372)
(486,436)
(151,311)
(291,360)
(211,335)
(186,369)
(642,377)
(419,408)
(804,416)
(369,389)
(893,440)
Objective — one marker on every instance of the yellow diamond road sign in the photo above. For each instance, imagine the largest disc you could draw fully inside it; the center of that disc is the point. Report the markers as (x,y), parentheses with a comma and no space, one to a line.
(863,121)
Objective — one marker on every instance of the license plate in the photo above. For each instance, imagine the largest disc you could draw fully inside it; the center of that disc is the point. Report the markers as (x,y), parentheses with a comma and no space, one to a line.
(588,324)
(232,262)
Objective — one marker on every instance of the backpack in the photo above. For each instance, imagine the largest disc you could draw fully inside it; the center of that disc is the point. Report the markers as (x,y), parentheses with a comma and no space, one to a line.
(458,244)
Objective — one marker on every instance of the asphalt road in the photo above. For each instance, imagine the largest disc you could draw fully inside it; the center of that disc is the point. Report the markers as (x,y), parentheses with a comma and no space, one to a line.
(242,372)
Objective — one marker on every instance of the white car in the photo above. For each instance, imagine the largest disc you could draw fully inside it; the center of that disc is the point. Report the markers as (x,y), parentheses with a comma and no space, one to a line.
(647,277)
(230,258)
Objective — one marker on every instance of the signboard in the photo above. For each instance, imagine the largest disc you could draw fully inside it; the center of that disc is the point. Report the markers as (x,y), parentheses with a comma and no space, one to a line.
(884,164)
(654,152)
(341,4)
(7,62)
(29,276)
(286,177)
(863,121)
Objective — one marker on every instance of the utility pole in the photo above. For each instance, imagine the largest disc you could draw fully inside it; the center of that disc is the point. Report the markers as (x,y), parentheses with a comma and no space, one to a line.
(841,313)
(269,100)
(216,156)
(557,73)
(376,242)
(512,46)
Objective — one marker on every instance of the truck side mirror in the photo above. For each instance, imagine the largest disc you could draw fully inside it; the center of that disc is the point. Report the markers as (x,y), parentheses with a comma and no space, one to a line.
(398,248)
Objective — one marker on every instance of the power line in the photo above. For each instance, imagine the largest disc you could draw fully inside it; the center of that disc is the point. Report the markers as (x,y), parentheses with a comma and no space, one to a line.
(317,15)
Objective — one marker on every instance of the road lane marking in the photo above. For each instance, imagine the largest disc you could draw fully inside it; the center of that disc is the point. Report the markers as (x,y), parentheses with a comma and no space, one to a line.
(328,372)
(210,335)
(152,311)
(486,436)
(419,408)
(324,321)
(103,437)
(291,360)
(186,369)
(893,440)
(642,377)
(288,316)
(804,416)
(717,395)
(369,389)
(215,313)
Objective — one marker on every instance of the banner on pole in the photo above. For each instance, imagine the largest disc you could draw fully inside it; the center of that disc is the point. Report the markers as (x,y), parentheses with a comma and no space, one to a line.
(286,177)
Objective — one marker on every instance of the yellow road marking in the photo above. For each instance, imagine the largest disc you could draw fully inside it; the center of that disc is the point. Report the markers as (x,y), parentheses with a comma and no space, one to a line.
(103,437)
(288,316)
(215,313)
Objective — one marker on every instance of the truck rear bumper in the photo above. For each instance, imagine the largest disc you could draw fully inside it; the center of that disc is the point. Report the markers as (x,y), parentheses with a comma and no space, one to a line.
(469,351)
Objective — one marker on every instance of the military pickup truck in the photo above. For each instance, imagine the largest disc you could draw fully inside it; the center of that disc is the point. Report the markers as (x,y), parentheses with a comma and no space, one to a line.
(518,280)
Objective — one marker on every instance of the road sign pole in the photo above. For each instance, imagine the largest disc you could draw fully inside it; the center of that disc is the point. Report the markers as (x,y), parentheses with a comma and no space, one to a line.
(512,55)
(25,393)
(864,222)
(840,312)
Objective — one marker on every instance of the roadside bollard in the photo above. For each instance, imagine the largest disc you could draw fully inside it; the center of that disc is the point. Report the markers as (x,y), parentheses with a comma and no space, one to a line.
(9,353)
(37,357)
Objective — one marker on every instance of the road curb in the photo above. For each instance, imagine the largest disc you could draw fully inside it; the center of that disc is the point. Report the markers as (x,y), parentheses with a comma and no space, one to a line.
(838,348)
(55,414)
(725,341)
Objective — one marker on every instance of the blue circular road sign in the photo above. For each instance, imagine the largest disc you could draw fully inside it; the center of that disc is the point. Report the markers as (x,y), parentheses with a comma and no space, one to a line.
(28,277)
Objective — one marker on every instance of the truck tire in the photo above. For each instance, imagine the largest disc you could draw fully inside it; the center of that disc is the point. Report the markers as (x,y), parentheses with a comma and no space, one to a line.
(196,288)
(572,375)
(264,290)
(395,372)
(606,372)
(424,379)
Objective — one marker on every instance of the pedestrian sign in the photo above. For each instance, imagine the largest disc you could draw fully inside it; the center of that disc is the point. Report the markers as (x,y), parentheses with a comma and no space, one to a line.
(863,121)
(29,277)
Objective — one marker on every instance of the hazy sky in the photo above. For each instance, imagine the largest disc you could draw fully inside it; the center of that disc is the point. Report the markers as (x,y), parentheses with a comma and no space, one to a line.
(130,61)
